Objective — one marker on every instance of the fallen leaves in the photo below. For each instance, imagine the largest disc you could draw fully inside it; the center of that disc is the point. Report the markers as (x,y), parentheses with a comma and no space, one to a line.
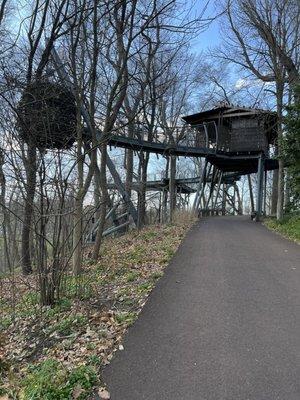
(103,394)
(87,331)
(77,392)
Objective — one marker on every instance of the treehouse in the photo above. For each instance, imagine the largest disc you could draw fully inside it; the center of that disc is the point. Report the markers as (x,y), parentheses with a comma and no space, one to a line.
(47,115)
(231,129)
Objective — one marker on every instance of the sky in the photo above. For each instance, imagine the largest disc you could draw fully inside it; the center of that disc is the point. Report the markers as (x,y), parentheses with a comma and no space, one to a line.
(210,37)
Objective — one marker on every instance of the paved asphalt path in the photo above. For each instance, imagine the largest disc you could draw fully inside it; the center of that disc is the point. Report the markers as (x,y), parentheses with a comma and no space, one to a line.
(222,324)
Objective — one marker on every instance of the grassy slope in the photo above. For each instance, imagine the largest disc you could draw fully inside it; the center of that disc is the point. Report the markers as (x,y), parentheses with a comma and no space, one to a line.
(289,226)
(57,353)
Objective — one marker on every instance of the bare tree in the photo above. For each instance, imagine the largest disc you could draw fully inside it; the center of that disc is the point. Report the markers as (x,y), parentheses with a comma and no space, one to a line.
(53,16)
(264,40)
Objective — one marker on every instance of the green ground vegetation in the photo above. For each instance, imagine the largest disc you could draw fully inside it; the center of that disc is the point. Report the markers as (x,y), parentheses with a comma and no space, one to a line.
(289,226)
(57,353)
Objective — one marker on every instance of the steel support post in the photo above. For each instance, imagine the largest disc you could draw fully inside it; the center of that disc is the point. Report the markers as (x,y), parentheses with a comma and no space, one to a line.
(200,186)
(231,201)
(224,199)
(251,193)
(202,194)
(260,184)
(265,192)
(233,197)
(212,184)
(218,189)
(172,186)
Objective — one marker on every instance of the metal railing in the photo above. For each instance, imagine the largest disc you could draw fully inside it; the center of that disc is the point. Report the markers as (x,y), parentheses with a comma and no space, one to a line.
(204,135)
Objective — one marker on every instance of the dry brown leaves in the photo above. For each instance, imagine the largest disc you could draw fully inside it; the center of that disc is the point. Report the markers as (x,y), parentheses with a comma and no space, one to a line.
(118,284)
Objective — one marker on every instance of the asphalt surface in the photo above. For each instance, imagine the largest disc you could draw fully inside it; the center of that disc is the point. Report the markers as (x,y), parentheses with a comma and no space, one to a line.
(222,324)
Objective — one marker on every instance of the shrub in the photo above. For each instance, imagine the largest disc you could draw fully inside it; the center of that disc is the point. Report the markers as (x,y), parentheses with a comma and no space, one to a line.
(46,381)
(289,226)
(5,322)
(126,317)
(83,376)
(69,324)
(131,276)
(50,380)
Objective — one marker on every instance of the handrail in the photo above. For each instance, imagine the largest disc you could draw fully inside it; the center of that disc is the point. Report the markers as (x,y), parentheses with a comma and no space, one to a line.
(206,134)
(217,135)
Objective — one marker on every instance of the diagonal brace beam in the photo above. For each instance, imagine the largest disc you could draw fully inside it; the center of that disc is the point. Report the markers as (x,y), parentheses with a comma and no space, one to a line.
(63,75)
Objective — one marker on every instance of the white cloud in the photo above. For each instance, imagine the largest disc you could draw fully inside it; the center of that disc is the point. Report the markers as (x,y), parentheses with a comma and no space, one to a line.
(241,83)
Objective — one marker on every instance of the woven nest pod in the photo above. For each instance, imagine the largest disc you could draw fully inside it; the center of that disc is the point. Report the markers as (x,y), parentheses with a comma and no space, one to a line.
(47,115)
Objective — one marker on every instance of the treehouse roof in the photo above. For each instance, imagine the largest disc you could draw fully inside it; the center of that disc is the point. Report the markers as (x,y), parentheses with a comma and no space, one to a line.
(225,112)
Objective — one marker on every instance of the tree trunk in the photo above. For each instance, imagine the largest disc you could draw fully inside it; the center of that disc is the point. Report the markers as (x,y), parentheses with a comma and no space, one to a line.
(280,197)
(129,171)
(104,199)
(77,235)
(97,192)
(287,200)
(30,165)
(129,161)
(144,159)
(47,284)
(5,221)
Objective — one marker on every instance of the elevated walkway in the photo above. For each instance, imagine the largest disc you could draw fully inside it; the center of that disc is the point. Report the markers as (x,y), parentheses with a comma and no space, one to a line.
(182,184)
(242,162)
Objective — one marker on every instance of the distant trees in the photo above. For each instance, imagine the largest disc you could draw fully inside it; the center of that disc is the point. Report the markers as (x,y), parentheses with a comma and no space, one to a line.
(291,149)
(129,69)
(46,18)
(2,9)
(175,101)
(263,38)
(118,61)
